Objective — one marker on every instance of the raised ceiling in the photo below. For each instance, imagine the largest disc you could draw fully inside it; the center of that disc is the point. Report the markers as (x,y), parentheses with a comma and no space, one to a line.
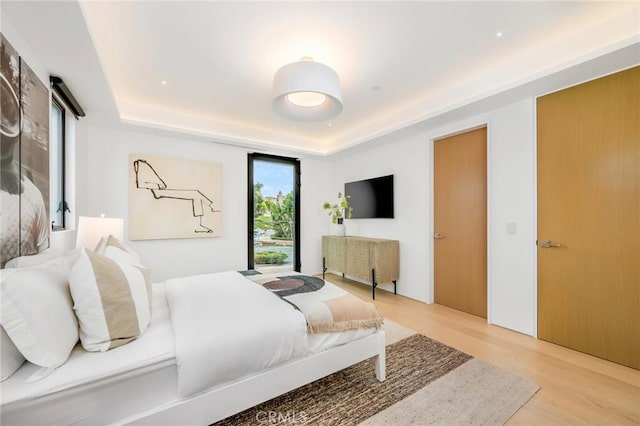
(399,62)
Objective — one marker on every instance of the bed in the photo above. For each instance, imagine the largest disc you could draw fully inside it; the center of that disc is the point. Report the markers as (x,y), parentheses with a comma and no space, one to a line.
(216,344)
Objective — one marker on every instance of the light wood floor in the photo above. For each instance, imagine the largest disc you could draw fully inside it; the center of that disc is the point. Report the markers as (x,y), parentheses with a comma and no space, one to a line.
(575,388)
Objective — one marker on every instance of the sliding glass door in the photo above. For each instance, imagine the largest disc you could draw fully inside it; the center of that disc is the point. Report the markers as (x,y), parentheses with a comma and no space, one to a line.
(273,213)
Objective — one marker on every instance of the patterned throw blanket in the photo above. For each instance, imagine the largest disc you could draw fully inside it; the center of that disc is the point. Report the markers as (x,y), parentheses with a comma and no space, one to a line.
(327,308)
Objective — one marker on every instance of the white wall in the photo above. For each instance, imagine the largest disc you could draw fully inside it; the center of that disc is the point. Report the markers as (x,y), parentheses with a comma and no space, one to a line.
(314,222)
(103,186)
(406,159)
(512,199)
(511,154)
(23,48)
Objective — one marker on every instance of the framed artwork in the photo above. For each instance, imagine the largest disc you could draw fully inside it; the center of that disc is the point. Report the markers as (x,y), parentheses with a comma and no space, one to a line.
(174,198)
(24,169)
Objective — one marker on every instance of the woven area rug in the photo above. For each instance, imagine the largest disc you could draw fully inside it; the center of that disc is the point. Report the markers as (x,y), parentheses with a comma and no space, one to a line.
(427,383)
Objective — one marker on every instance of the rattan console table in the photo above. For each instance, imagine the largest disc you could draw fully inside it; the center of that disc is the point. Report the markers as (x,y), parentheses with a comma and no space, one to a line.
(364,258)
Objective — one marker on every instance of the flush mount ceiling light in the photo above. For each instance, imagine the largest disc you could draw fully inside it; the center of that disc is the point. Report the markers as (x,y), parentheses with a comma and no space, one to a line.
(307,91)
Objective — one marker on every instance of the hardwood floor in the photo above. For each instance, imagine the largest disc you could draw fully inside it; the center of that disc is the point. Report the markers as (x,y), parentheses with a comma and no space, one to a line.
(575,388)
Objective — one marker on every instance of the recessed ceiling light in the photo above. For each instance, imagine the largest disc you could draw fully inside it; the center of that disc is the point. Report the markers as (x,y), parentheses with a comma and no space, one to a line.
(163,82)
(330,125)
(499,34)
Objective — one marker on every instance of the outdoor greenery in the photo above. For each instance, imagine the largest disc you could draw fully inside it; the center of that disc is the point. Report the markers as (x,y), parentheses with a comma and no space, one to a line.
(340,210)
(276,215)
(270,258)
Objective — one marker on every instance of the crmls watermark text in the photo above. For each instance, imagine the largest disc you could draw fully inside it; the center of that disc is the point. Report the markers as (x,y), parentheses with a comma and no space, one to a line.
(289,417)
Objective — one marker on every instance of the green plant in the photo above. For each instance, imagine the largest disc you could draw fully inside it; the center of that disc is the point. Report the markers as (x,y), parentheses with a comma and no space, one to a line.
(270,258)
(282,216)
(276,215)
(340,210)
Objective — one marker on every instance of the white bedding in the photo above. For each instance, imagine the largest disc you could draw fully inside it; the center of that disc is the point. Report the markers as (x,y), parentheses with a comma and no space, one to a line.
(93,387)
(227,327)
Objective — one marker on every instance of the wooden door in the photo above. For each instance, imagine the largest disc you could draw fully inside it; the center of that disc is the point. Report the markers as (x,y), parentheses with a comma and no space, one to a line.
(589,204)
(460,222)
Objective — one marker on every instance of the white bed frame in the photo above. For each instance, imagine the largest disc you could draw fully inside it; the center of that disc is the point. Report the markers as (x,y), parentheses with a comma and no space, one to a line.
(227,400)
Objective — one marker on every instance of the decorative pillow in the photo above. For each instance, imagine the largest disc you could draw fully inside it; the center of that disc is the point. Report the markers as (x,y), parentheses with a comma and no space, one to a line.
(112,300)
(47,257)
(102,245)
(33,260)
(114,248)
(10,359)
(37,313)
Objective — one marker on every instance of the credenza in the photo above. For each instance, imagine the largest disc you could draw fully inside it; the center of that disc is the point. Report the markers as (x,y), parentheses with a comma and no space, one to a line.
(364,258)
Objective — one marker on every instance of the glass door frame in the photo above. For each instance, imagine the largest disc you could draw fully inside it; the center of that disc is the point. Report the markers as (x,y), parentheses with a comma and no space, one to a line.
(295,162)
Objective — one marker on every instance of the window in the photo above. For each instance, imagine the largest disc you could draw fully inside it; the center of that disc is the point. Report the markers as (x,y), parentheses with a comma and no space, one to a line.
(273,213)
(58,205)
(62,152)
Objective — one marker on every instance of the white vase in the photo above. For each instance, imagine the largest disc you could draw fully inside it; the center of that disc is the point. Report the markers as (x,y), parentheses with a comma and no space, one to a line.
(339,229)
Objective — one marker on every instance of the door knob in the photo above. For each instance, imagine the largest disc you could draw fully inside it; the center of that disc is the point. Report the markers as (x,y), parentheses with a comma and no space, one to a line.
(549,244)
(437,236)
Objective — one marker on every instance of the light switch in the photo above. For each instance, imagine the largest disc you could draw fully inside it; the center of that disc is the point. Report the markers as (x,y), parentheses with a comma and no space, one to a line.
(511,228)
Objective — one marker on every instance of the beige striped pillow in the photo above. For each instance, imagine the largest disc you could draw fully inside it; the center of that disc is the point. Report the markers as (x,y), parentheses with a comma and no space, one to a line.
(112,300)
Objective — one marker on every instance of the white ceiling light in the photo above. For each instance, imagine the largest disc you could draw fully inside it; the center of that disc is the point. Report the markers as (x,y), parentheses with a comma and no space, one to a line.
(307,91)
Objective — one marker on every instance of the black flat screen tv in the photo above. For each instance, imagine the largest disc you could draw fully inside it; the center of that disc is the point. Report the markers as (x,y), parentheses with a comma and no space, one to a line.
(371,198)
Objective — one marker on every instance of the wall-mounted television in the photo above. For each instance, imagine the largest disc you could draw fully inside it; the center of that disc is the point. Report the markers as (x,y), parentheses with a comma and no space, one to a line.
(371,198)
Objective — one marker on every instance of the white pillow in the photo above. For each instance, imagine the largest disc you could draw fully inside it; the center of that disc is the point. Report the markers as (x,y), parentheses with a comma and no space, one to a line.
(114,248)
(10,357)
(33,260)
(102,244)
(37,313)
(112,300)
(47,257)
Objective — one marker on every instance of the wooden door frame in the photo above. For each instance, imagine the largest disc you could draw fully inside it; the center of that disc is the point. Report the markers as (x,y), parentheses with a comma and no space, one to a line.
(454,130)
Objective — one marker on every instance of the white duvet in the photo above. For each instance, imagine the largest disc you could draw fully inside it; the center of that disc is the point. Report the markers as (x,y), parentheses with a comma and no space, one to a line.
(227,327)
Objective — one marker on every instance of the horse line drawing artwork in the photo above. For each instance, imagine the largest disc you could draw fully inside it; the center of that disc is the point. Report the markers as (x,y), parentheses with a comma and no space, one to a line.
(174,198)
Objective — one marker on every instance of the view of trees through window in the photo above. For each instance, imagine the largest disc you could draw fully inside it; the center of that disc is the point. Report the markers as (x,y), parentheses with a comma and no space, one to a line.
(273,214)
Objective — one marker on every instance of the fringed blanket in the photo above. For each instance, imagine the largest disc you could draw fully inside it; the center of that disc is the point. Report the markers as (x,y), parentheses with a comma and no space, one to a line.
(326,307)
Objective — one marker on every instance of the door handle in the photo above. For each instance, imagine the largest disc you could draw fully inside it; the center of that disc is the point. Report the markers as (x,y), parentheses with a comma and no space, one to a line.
(437,236)
(549,244)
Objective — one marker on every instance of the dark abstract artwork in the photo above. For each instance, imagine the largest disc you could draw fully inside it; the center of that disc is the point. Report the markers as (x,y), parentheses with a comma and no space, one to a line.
(24,168)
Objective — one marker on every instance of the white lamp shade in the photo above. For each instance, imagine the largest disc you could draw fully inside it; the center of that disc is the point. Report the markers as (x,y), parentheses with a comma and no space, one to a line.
(307,76)
(92,229)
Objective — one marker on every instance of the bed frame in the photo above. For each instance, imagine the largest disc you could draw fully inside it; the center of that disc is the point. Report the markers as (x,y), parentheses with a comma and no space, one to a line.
(224,401)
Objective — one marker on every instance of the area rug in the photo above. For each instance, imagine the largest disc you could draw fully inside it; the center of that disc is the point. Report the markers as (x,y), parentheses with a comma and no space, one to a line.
(427,383)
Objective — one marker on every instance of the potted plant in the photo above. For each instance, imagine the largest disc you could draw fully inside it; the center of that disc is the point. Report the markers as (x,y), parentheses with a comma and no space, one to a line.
(339,211)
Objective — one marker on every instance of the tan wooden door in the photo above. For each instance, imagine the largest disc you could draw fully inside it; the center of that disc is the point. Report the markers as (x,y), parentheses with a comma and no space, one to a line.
(589,204)
(460,222)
